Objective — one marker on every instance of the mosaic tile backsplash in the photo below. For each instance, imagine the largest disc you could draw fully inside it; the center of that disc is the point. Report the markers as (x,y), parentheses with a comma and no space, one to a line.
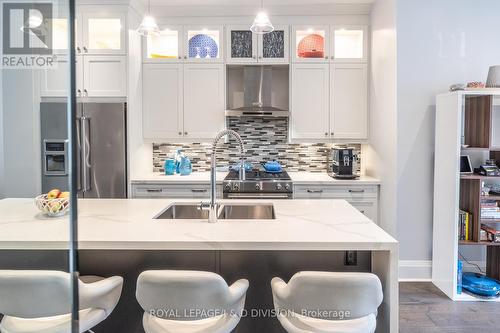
(265,139)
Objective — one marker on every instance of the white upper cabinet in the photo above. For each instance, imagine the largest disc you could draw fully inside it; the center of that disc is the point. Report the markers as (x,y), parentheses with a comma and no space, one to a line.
(203,100)
(310,43)
(104,76)
(241,44)
(166,47)
(103,32)
(182,101)
(162,101)
(310,108)
(203,43)
(54,81)
(349,101)
(349,43)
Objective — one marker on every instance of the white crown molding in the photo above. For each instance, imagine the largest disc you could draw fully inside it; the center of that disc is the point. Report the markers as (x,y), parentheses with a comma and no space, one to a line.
(276,10)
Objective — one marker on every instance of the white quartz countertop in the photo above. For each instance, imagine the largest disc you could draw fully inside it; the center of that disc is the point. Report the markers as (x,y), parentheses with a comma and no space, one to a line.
(324,178)
(129,224)
(194,178)
(301,177)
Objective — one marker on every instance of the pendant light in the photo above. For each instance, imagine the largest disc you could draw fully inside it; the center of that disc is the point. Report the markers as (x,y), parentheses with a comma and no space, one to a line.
(262,25)
(148,25)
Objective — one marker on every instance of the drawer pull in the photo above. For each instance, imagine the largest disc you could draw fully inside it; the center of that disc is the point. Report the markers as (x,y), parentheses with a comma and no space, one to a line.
(314,191)
(356,191)
(153,190)
(199,190)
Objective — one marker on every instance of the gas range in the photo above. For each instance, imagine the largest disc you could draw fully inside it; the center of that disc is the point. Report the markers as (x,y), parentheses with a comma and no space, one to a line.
(258,184)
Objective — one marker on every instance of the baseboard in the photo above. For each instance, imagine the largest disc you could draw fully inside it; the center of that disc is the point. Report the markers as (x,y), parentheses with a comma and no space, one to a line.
(415,270)
(421,270)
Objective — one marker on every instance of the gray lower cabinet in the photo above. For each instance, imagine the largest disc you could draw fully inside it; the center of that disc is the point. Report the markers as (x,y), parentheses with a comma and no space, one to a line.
(181,191)
(363,197)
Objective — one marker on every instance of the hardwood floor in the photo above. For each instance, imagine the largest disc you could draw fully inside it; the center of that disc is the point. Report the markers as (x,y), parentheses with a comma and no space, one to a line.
(425,309)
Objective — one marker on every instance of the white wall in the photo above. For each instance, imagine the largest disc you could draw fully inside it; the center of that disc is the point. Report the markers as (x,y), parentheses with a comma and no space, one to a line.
(438,43)
(21,134)
(380,156)
(2,181)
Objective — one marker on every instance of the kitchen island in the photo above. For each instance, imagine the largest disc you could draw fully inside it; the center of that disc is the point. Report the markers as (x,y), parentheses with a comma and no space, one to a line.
(308,231)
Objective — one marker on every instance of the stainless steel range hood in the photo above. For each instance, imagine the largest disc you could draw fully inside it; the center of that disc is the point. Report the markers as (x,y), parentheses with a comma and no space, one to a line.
(257,94)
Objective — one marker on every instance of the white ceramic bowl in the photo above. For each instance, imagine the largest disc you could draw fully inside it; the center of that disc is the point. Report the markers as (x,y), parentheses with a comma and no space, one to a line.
(52,207)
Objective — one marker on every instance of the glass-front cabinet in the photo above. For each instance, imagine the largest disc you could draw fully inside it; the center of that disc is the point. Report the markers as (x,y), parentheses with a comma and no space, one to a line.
(330,43)
(165,47)
(97,32)
(241,44)
(310,43)
(349,43)
(203,43)
(104,33)
(273,47)
(246,47)
(184,44)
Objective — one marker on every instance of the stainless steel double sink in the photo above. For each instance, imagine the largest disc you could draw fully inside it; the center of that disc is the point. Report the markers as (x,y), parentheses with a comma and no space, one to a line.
(237,211)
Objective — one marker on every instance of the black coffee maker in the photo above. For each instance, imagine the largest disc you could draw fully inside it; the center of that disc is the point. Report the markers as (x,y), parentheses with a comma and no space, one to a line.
(341,163)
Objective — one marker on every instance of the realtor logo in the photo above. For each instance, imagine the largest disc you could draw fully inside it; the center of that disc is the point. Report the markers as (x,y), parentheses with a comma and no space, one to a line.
(27,35)
(27,28)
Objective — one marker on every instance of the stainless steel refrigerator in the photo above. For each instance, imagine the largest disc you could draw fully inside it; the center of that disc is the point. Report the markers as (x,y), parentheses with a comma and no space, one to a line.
(101,132)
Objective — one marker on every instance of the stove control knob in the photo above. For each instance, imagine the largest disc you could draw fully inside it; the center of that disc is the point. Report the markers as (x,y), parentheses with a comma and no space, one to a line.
(287,187)
(279,187)
(257,187)
(236,187)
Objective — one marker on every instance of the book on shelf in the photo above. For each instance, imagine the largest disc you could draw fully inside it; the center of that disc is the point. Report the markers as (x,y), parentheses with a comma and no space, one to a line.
(464,225)
(492,231)
(490,209)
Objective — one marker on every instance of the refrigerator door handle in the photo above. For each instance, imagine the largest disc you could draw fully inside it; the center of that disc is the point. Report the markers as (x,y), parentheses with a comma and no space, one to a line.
(79,155)
(86,153)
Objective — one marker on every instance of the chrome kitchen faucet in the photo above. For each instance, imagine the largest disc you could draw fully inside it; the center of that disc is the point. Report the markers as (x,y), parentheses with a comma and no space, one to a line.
(212,205)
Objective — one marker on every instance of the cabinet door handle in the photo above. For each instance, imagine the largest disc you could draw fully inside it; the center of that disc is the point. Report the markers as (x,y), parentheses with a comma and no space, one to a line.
(332,57)
(185,133)
(85,49)
(199,190)
(79,92)
(326,57)
(326,133)
(260,57)
(180,133)
(78,49)
(314,191)
(253,57)
(331,134)
(185,57)
(154,190)
(85,92)
(356,191)
(179,57)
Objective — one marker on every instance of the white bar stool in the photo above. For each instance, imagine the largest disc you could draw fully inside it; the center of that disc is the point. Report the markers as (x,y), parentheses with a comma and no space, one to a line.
(328,302)
(189,302)
(36,301)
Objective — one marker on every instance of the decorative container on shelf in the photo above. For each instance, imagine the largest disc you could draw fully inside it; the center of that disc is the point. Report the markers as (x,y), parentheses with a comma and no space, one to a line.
(311,46)
(203,46)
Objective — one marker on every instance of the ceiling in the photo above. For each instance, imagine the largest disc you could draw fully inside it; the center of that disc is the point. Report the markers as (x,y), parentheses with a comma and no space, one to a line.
(257,2)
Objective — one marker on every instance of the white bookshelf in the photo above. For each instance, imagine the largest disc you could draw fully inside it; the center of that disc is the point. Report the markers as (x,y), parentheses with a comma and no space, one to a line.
(448,148)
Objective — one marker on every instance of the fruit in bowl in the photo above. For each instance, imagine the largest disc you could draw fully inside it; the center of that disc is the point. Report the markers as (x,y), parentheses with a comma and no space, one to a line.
(54,203)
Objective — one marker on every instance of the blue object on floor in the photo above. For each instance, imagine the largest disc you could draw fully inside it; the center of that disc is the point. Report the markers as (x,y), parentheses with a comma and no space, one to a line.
(480,285)
(459,276)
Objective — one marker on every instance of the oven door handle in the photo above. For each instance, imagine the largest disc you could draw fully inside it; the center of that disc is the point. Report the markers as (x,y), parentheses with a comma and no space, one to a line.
(256,196)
